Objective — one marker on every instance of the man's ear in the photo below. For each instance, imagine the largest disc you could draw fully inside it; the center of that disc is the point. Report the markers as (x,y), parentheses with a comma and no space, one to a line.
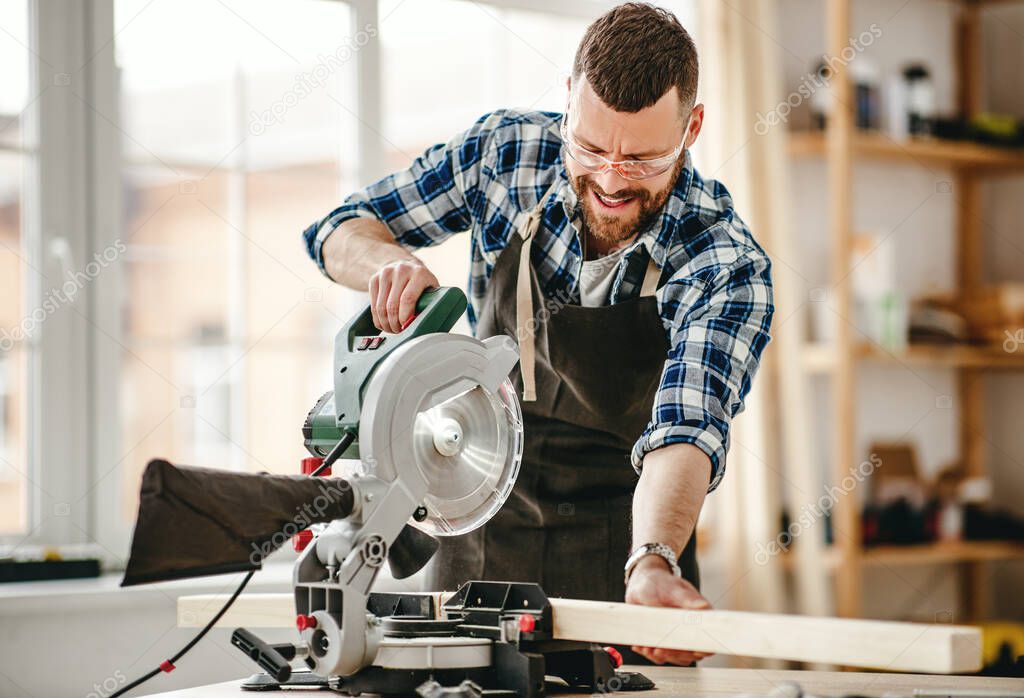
(693,129)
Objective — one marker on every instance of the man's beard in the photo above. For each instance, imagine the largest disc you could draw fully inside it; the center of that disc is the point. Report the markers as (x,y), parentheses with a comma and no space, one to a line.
(613,229)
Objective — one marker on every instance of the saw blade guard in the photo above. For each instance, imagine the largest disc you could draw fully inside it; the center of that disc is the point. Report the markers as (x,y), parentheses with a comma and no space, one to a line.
(442,412)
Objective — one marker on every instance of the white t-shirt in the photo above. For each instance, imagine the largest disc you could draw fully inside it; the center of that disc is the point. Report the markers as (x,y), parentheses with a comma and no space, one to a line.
(596,278)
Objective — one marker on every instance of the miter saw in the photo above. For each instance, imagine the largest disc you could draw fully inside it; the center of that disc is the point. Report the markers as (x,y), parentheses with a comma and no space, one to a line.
(435,424)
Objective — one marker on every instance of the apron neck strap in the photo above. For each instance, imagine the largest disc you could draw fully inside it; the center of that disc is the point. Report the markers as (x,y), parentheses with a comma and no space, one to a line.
(651,278)
(526,324)
(536,214)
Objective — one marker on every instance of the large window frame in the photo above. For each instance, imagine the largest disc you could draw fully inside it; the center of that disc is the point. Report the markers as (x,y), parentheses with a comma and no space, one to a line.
(72,209)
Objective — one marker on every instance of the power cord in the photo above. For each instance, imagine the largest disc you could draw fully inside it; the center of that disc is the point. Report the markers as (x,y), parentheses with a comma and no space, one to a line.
(168,664)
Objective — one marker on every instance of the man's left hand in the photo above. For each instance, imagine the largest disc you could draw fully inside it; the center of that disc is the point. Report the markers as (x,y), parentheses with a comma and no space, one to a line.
(653,584)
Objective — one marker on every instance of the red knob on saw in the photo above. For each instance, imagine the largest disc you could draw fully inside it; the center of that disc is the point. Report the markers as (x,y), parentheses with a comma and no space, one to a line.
(301,539)
(311,464)
(527,623)
(302,622)
(615,656)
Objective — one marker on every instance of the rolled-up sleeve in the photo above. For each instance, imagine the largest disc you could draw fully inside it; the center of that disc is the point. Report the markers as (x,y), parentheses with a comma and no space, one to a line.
(717,332)
(423,204)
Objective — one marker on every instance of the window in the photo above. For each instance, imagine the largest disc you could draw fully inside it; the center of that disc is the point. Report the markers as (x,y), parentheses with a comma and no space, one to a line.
(16,337)
(229,151)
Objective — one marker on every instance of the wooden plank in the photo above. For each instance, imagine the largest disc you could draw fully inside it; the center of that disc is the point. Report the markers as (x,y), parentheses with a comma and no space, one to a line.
(248,610)
(942,649)
(268,610)
(915,647)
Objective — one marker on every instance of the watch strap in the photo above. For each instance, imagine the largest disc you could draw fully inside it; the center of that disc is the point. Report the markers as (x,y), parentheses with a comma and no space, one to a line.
(661,550)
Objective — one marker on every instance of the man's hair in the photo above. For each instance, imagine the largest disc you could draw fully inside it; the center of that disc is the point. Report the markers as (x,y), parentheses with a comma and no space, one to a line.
(634,53)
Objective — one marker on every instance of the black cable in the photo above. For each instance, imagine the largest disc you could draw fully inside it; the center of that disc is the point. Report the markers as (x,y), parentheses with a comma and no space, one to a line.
(168,665)
(335,453)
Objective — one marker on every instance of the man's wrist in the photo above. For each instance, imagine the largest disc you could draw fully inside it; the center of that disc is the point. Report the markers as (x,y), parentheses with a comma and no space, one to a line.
(648,554)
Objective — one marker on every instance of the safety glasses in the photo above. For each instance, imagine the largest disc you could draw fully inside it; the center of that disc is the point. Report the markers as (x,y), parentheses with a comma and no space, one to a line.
(634,170)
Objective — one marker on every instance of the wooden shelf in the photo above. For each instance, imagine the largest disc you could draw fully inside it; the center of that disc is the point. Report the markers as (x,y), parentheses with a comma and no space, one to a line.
(941,553)
(934,152)
(927,554)
(820,358)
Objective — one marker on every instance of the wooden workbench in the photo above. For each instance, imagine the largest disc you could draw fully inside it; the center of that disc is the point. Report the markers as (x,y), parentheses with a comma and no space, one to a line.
(676,681)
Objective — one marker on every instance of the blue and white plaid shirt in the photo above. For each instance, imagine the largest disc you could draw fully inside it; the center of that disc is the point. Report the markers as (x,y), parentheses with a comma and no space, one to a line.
(716,298)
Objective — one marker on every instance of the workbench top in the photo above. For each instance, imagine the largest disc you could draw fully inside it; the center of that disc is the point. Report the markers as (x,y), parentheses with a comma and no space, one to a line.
(677,681)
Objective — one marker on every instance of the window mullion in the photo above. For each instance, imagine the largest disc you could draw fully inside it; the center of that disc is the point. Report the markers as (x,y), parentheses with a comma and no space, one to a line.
(58,404)
(106,300)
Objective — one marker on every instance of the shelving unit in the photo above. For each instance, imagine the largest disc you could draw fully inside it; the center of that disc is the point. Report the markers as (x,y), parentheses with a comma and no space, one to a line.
(968,164)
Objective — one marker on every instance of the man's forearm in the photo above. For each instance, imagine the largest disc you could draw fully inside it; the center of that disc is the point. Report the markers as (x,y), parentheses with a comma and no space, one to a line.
(358,249)
(669,496)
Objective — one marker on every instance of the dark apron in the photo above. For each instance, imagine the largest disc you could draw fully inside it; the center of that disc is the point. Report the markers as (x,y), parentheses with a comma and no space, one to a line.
(566,524)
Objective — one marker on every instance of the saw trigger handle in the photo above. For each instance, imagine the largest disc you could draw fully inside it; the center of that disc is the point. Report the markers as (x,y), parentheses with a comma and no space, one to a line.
(269,657)
(437,310)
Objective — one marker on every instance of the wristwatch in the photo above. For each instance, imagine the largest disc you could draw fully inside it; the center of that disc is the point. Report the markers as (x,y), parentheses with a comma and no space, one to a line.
(659,549)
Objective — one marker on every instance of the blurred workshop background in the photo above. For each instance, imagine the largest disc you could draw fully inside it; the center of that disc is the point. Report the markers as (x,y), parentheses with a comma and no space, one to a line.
(160,158)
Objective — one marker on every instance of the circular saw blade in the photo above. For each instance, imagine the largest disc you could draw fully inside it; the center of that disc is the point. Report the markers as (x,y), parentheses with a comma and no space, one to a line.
(469,449)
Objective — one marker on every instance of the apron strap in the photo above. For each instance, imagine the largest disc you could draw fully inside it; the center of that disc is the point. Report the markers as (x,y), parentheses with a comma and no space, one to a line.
(651,278)
(526,324)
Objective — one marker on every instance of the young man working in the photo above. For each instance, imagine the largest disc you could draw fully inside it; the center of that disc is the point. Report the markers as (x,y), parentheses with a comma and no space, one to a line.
(656,308)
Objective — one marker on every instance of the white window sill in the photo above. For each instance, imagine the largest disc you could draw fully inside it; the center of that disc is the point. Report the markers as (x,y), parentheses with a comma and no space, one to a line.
(87,595)
(64,595)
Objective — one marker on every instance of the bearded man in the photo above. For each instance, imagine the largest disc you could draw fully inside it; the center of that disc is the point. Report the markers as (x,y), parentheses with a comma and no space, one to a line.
(640,299)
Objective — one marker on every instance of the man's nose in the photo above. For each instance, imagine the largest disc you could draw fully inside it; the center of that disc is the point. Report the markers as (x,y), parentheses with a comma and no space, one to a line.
(610,181)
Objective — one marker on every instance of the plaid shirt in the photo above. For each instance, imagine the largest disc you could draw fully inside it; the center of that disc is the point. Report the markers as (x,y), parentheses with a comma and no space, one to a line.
(716,297)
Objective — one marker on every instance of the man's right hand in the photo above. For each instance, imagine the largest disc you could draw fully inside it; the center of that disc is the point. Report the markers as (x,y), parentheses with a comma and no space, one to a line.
(394,290)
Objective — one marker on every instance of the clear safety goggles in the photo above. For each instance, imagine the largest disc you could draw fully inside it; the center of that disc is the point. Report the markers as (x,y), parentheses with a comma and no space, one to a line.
(627,169)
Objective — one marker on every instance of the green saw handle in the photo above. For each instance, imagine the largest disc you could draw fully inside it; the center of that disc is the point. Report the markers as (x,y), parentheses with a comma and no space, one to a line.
(437,310)
(356,357)
(440,307)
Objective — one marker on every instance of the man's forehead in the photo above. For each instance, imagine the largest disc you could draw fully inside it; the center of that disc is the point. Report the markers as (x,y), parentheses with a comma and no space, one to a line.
(651,128)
